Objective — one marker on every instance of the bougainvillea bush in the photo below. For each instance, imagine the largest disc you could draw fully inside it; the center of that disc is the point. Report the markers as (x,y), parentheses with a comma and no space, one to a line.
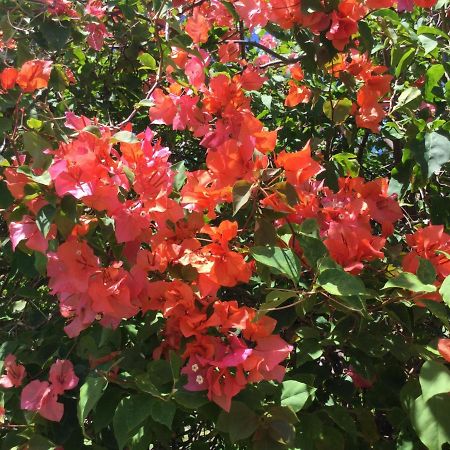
(224,224)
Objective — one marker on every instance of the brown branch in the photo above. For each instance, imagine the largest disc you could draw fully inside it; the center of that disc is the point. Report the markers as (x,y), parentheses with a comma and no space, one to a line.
(264,48)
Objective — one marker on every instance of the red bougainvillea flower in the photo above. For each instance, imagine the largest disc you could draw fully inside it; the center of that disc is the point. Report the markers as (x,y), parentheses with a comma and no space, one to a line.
(109,290)
(34,75)
(97,35)
(425,3)
(40,396)
(358,380)
(444,348)
(62,376)
(429,243)
(342,28)
(15,373)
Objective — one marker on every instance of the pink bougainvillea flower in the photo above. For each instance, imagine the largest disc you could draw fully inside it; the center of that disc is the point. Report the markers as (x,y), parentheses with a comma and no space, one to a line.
(97,34)
(40,396)
(62,376)
(14,375)
(27,230)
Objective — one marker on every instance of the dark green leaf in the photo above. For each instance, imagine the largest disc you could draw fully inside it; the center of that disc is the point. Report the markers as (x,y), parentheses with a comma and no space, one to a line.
(296,394)
(90,394)
(281,260)
(339,282)
(409,281)
(434,379)
(162,412)
(430,420)
(241,422)
(129,415)
(241,194)
(44,219)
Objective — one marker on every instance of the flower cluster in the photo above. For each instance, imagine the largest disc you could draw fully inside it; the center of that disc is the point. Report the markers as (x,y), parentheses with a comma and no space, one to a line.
(42,396)
(375,86)
(15,373)
(345,217)
(227,346)
(31,76)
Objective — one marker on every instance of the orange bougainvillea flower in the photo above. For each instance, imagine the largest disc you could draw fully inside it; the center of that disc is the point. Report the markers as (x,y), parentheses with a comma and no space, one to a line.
(297,94)
(8,78)
(444,348)
(34,75)
(299,166)
(197,27)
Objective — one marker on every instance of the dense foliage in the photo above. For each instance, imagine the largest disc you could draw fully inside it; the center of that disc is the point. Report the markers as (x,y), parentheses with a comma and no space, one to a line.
(224,224)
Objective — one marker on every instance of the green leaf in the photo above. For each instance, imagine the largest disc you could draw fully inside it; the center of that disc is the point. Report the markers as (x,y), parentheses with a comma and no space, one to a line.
(426,271)
(296,394)
(189,399)
(90,394)
(147,61)
(175,364)
(44,219)
(241,422)
(34,144)
(241,194)
(337,110)
(423,29)
(429,43)
(430,420)
(445,290)
(410,282)
(55,34)
(180,175)
(339,282)
(44,178)
(365,36)
(432,152)
(125,136)
(432,78)
(313,247)
(348,162)
(407,55)
(434,379)
(144,383)
(280,260)
(410,98)
(274,299)
(129,415)
(162,411)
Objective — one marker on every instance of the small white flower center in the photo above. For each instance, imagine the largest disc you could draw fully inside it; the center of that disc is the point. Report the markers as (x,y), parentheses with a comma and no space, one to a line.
(194,367)
(199,379)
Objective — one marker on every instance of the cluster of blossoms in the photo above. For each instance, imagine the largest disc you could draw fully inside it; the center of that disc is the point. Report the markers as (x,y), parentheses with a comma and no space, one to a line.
(339,24)
(226,349)
(433,244)
(130,187)
(31,76)
(41,396)
(345,217)
(375,85)
(236,140)
(93,14)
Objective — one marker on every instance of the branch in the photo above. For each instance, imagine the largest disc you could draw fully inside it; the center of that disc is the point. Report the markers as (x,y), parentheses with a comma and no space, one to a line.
(361,147)
(264,48)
